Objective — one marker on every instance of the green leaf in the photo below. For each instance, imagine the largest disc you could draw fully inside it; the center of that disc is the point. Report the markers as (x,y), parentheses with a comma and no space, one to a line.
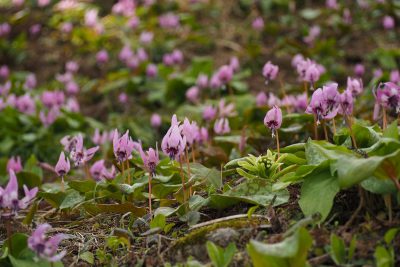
(392,131)
(390,235)
(82,186)
(338,250)
(72,199)
(383,258)
(220,257)
(31,263)
(29,179)
(158,221)
(254,191)
(54,199)
(87,256)
(291,252)
(211,175)
(317,194)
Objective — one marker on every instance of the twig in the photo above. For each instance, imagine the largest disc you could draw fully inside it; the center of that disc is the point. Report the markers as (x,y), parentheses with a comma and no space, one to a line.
(228,218)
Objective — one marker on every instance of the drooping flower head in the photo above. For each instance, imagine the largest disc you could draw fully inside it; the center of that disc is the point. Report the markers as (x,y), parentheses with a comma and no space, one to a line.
(225,74)
(9,201)
(261,99)
(331,96)
(150,159)
(155,120)
(273,119)
(221,126)
(209,113)
(346,103)
(173,144)
(355,86)
(270,71)
(319,106)
(189,130)
(258,24)
(123,146)
(80,155)
(14,163)
(63,165)
(99,138)
(46,247)
(388,96)
(99,171)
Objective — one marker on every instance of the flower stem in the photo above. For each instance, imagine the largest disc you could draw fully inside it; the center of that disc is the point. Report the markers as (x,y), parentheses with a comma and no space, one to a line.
(9,233)
(183,179)
(349,122)
(306,90)
(384,123)
(325,130)
(62,184)
(150,180)
(129,174)
(334,126)
(188,167)
(277,146)
(315,128)
(194,153)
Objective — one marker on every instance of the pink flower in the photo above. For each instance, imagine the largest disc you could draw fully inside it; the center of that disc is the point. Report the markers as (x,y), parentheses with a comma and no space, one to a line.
(63,165)
(173,144)
(346,103)
(4,72)
(151,70)
(177,56)
(102,56)
(26,104)
(225,74)
(226,110)
(43,3)
(209,113)
(388,22)
(98,138)
(45,247)
(169,20)
(221,126)
(9,201)
(355,86)
(123,146)
(79,154)
(270,71)
(215,82)
(202,136)
(99,171)
(261,99)
(155,120)
(189,130)
(359,70)
(234,64)
(332,4)
(30,81)
(72,66)
(258,24)
(146,37)
(14,163)
(192,94)
(202,81)
(273,119)
(51,116)
(150,159)
(395,76)
(133,22)
(123,98)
